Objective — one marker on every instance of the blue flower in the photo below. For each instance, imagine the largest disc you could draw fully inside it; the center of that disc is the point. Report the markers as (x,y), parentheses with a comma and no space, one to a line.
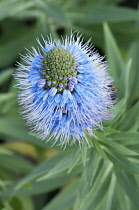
(64,90)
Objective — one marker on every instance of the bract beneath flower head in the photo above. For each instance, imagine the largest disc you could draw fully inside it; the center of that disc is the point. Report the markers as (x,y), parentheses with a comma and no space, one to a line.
(65,90)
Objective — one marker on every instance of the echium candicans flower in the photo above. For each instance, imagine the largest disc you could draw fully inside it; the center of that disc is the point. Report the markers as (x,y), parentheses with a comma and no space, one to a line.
(64,90)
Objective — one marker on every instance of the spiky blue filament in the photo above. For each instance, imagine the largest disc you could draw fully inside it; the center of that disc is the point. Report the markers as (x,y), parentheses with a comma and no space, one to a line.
(65,105)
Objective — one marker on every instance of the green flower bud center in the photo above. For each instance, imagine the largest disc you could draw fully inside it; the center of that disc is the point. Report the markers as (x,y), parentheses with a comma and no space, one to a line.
(59,66)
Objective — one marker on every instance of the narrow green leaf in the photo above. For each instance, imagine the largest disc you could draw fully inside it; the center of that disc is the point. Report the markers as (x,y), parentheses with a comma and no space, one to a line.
(134,73)
(111,192)
(43,23)
(130,187)
(60,166)
(127,78)
(123,163)
(118,112)
(64,199)
(99,188)
(90,174)
(12,7)
(94,166)
(15,127)
(102,14)
(35,188)
(131,119)
(4,151)
(24,201)
(100,202)
(6,206)
(94,142)
(122,201)
(20,37)
(54,11)
(15,163)
(118,148)
(6,96)
(84,153)
(6,74)
(75,159)
(107,2)
(113,55)
(52,166)
(124,89)
(125,138)
(84,185)
(31,13)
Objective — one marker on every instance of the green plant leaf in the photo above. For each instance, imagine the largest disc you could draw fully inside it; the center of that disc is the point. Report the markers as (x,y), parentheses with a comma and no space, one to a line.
(75,159)
(123,163)
(94,143)
(133,54)
(6,96)
(94,166)
(124,81)
(54,11)
(51,167)
(4,151)
(100,14)
(130,121)
(84,153)
(5,75)
(35,188)
(20,38)
(14,127)
(99,188)
(67,196)
(12,7)
(113,146)
(118,112)
(125,138)
(66,163)
(15,163)
(130,187)
(109,2)
(84,185)
(113,55)
(121,200)
(111,192)
(90,174)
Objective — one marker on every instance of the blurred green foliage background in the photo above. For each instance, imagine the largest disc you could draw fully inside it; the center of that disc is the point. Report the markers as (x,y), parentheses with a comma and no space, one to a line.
(35,176)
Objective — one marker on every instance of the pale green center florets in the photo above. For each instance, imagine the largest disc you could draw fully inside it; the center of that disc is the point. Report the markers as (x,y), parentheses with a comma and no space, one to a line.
(59,66)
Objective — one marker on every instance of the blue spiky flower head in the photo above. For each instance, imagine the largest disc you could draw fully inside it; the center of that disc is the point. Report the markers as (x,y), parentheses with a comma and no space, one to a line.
(64,90)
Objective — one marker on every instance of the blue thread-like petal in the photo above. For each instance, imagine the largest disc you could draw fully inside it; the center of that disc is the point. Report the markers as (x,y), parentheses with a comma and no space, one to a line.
(82,104)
